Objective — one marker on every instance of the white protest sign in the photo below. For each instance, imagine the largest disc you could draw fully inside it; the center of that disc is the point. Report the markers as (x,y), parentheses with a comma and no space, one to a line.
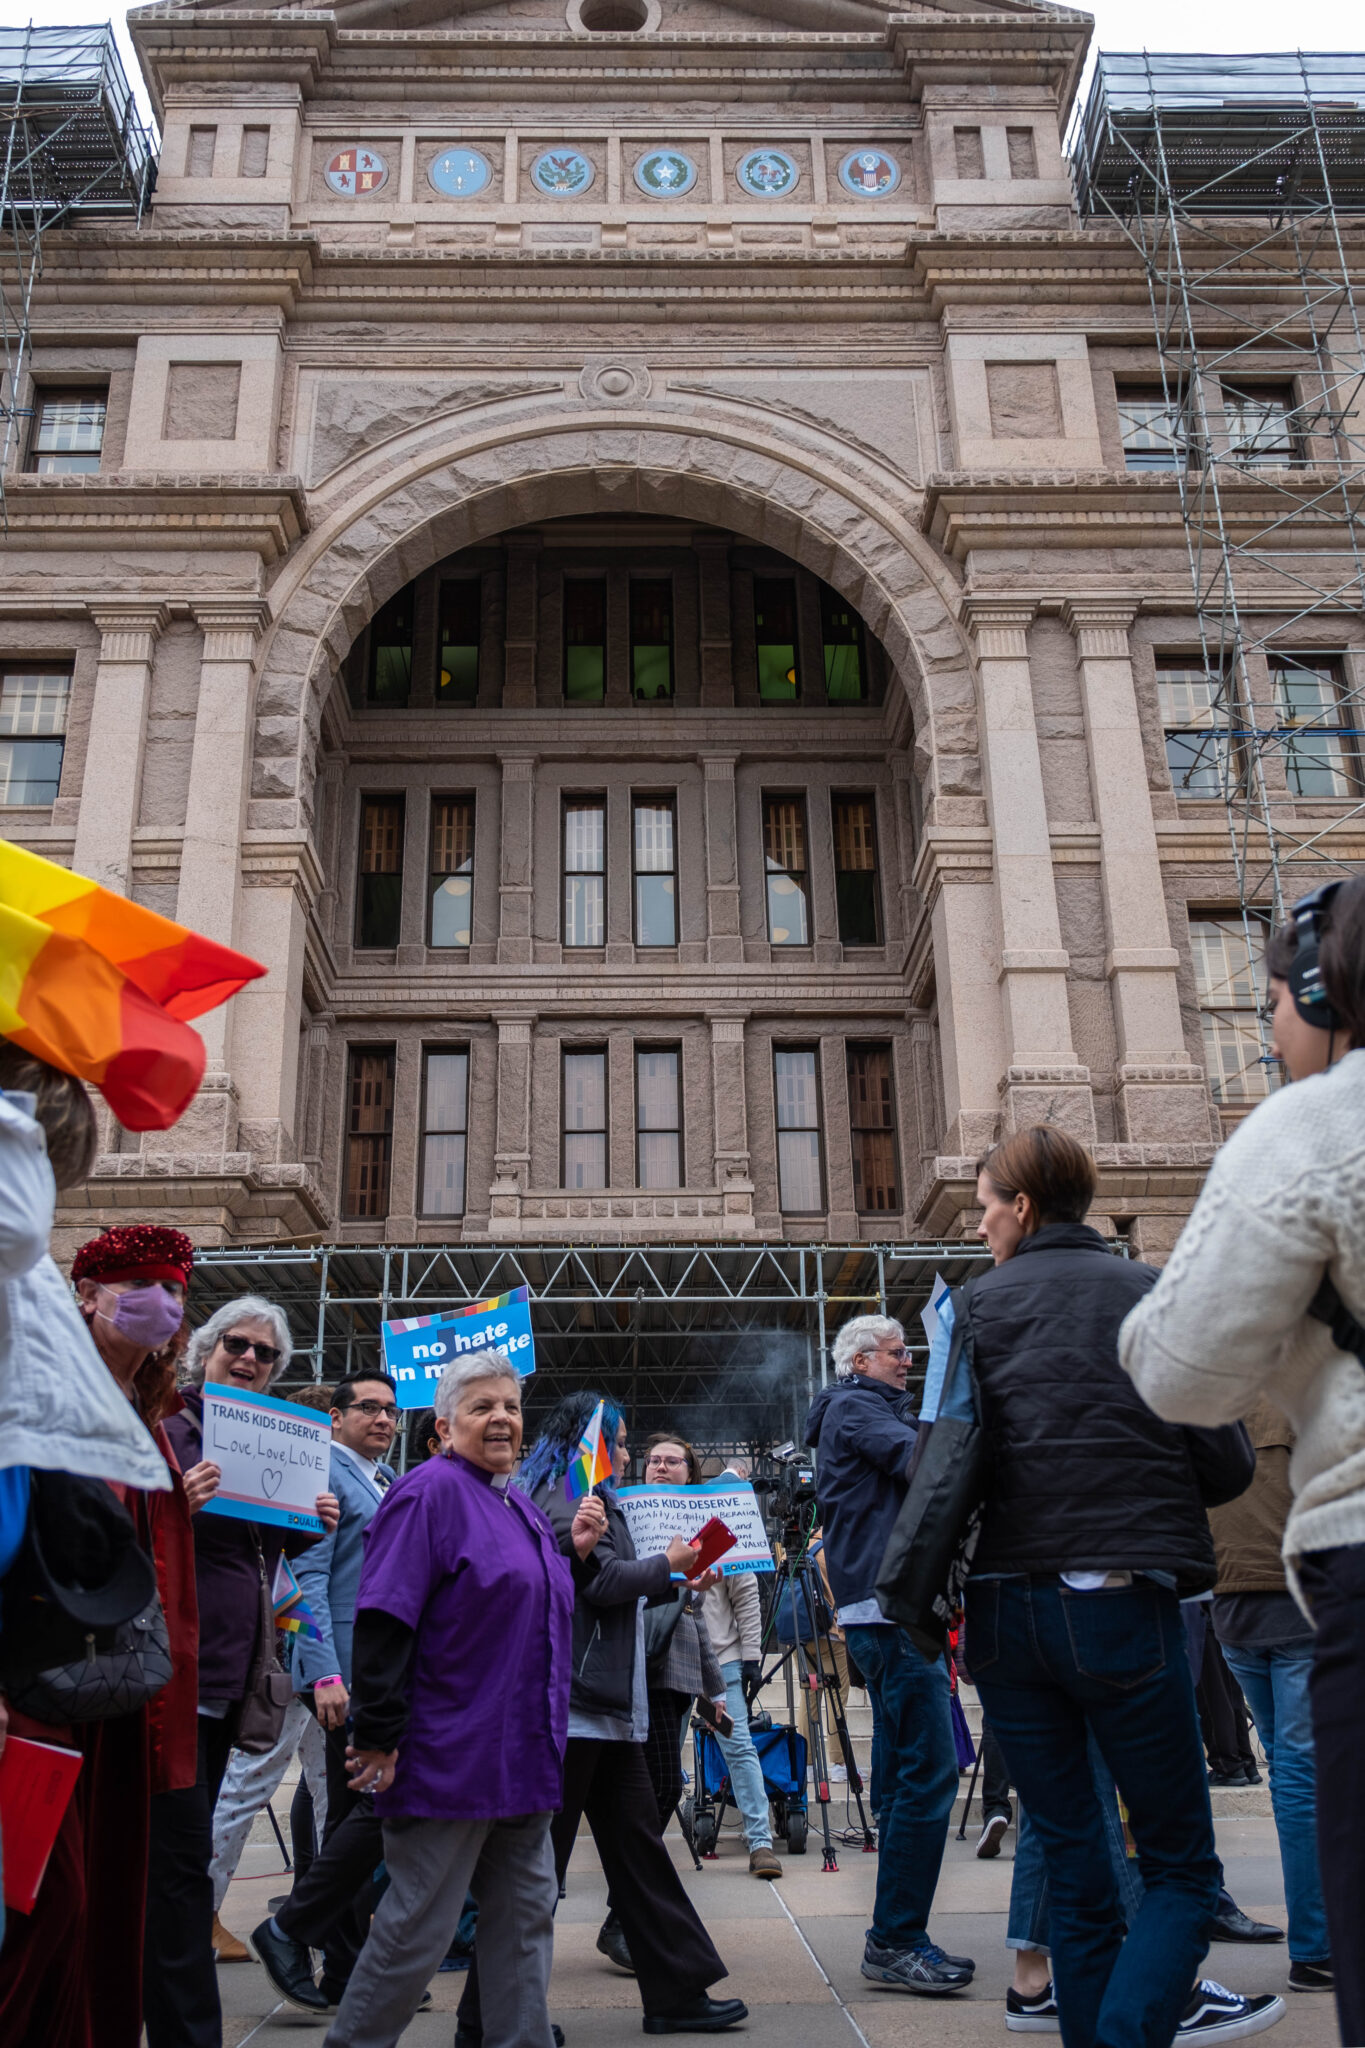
(929,1314)
(655,1514)
(275,1458)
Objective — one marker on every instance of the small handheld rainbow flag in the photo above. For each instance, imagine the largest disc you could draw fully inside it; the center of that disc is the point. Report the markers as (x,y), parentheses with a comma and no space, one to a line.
(103,988)
(593,1461)
(293,1615)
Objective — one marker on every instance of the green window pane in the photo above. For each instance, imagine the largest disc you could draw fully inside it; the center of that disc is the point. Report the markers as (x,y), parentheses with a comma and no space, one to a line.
(651,640)
(775,638)
(652,671)
(391,651)
(777,672)
(585,673)
(457,681)
(841,631)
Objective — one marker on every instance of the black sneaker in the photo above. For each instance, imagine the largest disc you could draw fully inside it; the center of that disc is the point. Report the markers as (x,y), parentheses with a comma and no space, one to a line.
(992,1835)
(925,1969)
(1035,2015)
(1316,1976)
(1216,2014)
(702,2016)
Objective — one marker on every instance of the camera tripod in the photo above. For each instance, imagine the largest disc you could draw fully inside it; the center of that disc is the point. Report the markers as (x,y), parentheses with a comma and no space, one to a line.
(798,1588)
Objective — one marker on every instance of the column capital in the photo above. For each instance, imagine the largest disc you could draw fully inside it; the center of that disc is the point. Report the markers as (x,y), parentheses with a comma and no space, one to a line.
(999,626)
(718,767)
(129,627)
(518,767)
(728,1030)
(231,626)
(1101,626)
(514,1030)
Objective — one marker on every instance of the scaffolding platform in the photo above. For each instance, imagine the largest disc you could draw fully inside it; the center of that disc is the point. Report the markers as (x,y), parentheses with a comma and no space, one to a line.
(727,1342)
(74,142)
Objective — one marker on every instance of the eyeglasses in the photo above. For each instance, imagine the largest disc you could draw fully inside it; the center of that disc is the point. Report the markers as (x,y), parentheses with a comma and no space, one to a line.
(373,1408)
(237,1347)
(655,1459)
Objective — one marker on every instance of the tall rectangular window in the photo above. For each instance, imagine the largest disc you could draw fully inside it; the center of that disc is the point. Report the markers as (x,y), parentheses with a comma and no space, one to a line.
(656,872)
(872,1114)
(1321,751)
(841,630)
(1261,425)
(390,679)
(855,870)
(651,639)
(445,1122)
(457,675)
(800,1175)
(585,879)
(452,870)
(785,870)
(658,1119)
(775,638)
(1153,429)
(33,710)
(1229,976)
(585,640)
(68,432)
(379,904)
(1195,714)
(584,1134)
(369,1133)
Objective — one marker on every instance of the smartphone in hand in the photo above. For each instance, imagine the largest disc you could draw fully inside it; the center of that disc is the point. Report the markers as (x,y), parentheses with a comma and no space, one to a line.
(715,1718)
(713,1539)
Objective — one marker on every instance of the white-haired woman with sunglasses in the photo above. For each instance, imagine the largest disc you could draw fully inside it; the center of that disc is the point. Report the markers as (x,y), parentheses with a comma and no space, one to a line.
(246,1345)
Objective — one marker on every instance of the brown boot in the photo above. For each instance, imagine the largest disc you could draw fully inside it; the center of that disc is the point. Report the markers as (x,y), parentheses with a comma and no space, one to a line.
(226,1947)
(763,1863)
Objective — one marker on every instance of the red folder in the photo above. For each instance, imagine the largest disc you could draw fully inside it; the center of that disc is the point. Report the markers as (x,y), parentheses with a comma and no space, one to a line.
(36,1782)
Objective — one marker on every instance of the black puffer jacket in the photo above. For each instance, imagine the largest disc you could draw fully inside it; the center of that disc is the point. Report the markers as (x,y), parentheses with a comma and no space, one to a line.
(608,1586)
(1081,1475)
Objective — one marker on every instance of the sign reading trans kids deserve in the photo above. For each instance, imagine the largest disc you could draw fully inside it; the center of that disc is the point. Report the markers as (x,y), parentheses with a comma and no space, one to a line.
(417,1349)
(275,1458)
(655,1514)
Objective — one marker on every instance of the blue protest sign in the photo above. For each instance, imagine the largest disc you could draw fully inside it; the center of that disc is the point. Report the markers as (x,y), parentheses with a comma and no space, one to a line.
(417,1349)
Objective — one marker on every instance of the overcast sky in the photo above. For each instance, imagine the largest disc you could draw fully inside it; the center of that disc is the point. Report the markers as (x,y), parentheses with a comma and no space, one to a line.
(1119,24)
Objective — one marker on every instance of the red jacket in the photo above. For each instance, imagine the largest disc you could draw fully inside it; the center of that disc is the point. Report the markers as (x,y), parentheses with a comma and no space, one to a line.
(172,1717)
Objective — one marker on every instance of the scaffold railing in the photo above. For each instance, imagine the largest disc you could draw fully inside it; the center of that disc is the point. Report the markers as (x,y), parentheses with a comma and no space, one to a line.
(72,144)
(1240,181)
(727,1341)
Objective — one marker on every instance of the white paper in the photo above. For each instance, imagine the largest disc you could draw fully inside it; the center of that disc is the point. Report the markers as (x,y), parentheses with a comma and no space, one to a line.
(655,1514)
(275,1458)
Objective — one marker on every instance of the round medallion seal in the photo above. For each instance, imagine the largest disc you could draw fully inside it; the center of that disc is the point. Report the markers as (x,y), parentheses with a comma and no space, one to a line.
(767,173)
(459,173)
(869,173)
(355,171)
(665,173)
(562,173)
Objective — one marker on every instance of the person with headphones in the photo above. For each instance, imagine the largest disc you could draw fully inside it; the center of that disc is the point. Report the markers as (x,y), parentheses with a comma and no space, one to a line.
(1265,1295)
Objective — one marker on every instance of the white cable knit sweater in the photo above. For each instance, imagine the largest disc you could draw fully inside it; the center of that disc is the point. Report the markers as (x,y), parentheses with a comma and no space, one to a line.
(1227,1320)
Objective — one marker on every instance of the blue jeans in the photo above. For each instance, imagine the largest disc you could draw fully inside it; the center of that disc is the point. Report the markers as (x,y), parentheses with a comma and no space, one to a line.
(918,1780)
(1050,1666)
(1275,1682)
(741,1760)
(1030,1921)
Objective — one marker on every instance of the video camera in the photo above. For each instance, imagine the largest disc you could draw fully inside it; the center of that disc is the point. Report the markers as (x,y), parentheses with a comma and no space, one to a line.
(788,1495)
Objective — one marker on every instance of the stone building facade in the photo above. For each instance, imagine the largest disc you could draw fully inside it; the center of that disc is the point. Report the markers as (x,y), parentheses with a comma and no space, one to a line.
(607,544)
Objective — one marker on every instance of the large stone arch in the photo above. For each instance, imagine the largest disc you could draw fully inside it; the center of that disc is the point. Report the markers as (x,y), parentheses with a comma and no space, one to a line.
(860,536)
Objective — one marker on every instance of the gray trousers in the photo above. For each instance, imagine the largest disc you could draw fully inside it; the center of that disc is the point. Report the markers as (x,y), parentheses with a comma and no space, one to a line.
(509,1866)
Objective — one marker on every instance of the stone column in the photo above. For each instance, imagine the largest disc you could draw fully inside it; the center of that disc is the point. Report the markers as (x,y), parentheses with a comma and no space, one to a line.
(512,1150)
(1043,1078)
(1161,1093)
(314,1135)
(516,873)
(731,1119)
(220,772)
(953,875)
(519,671)
(112,787)
(723,941)
(715,650)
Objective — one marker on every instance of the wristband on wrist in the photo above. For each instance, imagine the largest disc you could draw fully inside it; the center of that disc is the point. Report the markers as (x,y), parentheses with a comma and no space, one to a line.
(335,1679)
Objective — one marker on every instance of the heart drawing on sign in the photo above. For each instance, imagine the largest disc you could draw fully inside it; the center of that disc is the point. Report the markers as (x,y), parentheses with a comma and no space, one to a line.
(271,1482)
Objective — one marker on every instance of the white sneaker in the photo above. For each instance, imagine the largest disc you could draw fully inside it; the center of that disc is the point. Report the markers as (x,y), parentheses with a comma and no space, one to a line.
(992,1835)
(1216,2014)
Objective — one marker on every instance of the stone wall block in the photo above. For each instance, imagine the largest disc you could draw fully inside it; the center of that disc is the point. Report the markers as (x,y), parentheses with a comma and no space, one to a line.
(277,736)
(607,449)
(275,777)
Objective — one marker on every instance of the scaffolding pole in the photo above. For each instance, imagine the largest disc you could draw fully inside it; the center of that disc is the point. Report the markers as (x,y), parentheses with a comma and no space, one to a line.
(72,145)
(1240,182)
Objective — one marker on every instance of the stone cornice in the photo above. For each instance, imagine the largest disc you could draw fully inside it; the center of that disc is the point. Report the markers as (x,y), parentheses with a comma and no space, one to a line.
(263,515)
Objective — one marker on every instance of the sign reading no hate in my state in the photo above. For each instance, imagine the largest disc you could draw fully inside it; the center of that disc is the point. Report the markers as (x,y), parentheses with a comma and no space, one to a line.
(417,1349)
(275,1458)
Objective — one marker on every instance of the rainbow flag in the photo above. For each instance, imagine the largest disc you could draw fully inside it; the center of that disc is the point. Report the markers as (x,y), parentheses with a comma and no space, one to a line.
(593,1461)
(100,987)
(293,1615)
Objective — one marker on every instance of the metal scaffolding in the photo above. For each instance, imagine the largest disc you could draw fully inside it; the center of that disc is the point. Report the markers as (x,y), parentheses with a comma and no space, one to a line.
(727,1342)
(1236,179)
(73,145)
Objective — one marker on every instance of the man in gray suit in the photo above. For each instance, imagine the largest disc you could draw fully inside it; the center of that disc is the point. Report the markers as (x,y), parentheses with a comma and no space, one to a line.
(328,1907)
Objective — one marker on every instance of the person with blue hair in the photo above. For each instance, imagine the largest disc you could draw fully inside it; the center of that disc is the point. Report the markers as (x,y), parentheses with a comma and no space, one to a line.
(605,1775)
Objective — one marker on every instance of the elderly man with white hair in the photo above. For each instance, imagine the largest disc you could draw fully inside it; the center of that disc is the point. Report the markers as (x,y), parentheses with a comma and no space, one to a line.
(864,1436)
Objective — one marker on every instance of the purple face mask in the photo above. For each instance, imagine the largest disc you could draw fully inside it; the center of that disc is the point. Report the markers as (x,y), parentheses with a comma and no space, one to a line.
(147,1315)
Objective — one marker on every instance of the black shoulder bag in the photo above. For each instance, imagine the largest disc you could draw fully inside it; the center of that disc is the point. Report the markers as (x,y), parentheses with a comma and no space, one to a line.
(929,1552)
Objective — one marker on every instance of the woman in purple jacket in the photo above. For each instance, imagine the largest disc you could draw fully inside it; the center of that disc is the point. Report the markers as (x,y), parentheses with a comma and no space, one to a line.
(460,1703)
